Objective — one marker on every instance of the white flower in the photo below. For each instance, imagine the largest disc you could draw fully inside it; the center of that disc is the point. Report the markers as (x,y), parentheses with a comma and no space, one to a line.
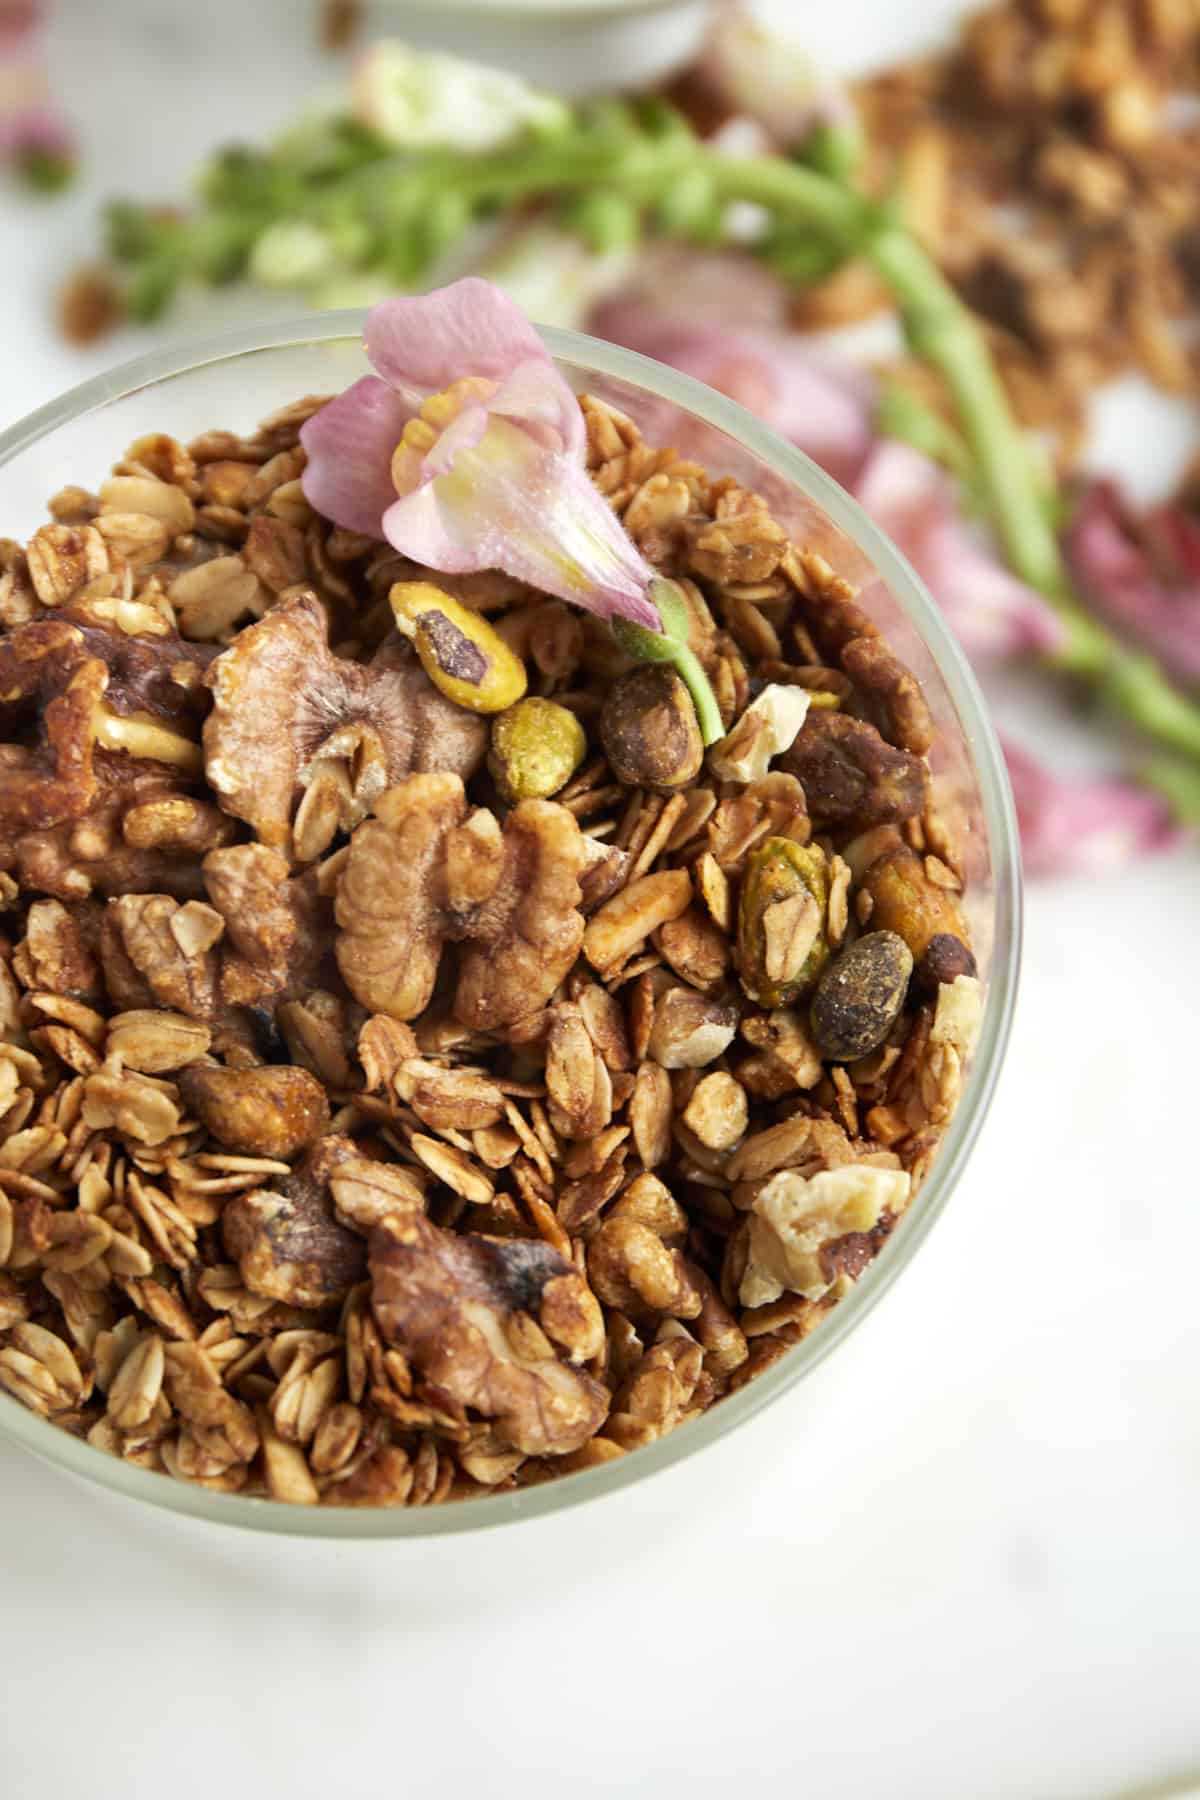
(554,277)
(419,100)
(293,254)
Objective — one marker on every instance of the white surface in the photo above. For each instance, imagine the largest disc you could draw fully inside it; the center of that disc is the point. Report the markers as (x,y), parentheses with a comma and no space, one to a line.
(960,1562)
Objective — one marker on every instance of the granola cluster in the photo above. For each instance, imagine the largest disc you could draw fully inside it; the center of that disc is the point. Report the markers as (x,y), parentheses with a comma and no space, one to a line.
(376,1126)
(1048,159)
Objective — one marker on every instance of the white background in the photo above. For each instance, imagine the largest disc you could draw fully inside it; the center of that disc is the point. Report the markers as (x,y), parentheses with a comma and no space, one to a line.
(962,1561)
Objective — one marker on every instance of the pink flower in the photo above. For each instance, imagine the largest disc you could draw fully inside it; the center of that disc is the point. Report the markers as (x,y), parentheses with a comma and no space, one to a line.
(823,408)
(991,612)
(1143,574)
(29,123)
(466,451)
(1074,827)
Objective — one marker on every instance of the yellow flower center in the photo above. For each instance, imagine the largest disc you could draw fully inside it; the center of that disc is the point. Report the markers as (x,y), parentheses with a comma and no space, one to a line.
(422,433)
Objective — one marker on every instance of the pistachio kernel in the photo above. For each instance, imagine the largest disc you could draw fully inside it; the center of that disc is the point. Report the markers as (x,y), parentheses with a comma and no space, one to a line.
(904,900)
(782,938)
(860,995)
(649,730)
(464,657)
(537,746)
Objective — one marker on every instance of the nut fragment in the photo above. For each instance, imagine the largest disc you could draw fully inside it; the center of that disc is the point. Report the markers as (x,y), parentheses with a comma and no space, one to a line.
(767,727)
(269,1111)
(851,776)
(690,1030)
(944,959)
(452,1303)
(288,1243)
(649,730)
(859,996)
(280,697)
(718,1111)
(905,901)
(794,1218)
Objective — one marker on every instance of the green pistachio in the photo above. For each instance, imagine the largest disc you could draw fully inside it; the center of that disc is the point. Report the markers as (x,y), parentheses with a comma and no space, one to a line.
(782,941)
(537,746)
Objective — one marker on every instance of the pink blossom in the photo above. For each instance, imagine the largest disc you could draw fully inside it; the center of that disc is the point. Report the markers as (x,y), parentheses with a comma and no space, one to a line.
(1143,574)
(822,407)
(991,612)
(1078,826)
(677,282)
(465,450)
(29,123)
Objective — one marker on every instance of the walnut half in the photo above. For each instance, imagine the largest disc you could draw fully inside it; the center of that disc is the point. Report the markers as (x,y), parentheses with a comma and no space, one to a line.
(422,873)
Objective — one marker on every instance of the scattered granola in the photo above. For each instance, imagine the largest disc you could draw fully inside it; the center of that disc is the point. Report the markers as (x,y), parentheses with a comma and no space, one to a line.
(385,1119)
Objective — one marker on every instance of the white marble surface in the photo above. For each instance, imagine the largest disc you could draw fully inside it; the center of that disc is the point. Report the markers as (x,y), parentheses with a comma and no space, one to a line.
(961,1561)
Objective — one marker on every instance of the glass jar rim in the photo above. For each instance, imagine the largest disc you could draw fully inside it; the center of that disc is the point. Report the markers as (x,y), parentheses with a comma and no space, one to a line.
(598,357)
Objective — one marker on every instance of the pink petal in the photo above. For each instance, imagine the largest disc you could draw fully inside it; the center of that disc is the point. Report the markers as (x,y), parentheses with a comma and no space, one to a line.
(537,397)
(825,409)
(699,287)
(991,611)
(1073,827)
(349,445)
(514,505)
(421,343)
(1142,575)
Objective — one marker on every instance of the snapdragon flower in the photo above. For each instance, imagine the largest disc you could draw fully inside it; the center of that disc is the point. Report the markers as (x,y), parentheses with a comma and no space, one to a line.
(465,450)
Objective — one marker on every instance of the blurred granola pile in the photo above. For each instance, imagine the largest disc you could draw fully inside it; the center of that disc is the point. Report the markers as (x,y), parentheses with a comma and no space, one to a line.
(1049,160)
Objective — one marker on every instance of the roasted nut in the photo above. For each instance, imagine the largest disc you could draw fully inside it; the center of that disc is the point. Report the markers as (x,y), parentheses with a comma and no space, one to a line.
(274,1110)
(455,1306)
(897,693)
(536,748)
(690,1030)
(284,705)
(782,944)
(851,776)
(788,1057)
(248,886)
(632,1269)
(649,730)
(904,900)
(718,1111)
(767,727)
(695,948)
(418,875)
(463,656)
(944,959)
(793,1219)
(859,997)
(288,1244)
(160,940)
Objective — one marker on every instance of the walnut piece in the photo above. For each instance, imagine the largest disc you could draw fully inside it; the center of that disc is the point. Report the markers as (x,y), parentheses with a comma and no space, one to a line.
(288,1243)
(480,1317)
(287,711)
(852,776)
(794,1219)
(248,885)
(421,874)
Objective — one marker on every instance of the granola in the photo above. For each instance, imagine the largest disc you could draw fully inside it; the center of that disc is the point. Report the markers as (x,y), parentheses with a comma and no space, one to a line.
(386,1120)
